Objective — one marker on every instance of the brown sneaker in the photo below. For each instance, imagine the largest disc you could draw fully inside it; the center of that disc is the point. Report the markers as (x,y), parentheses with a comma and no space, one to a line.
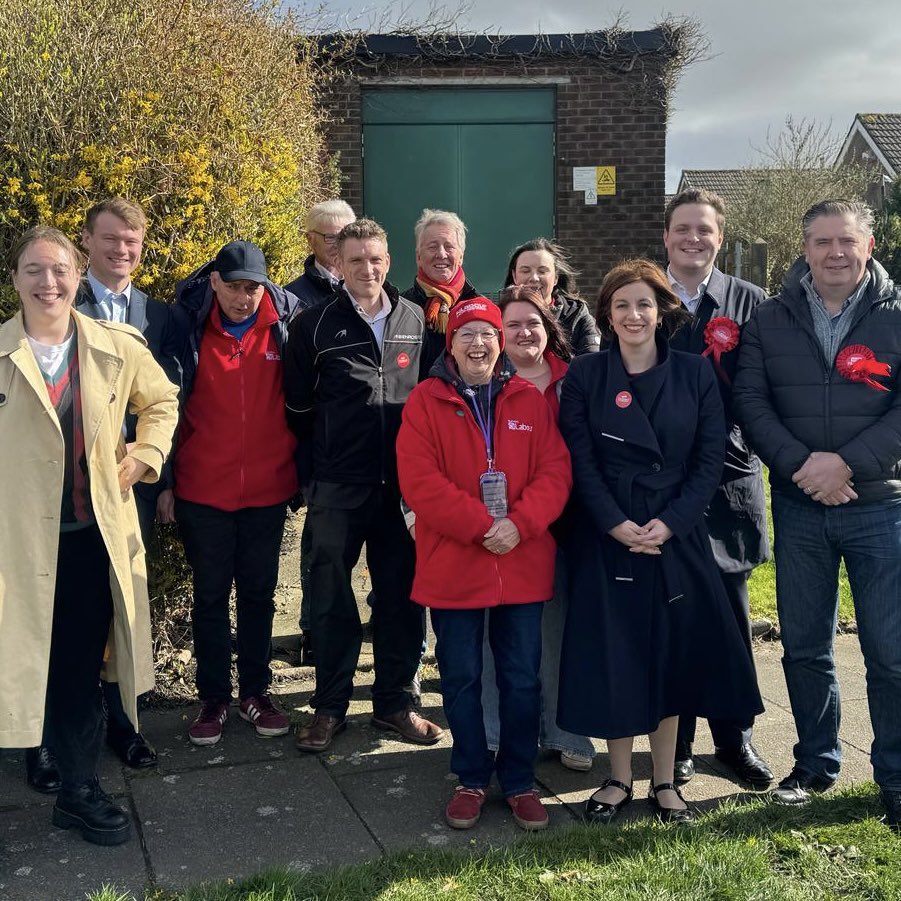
(410,726)
(318,735)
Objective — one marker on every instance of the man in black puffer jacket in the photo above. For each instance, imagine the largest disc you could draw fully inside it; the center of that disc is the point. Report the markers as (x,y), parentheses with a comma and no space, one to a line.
(817,397)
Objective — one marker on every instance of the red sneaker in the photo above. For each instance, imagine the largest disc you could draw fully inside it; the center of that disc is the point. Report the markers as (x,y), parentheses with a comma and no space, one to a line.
(264,716)
(207,728)
(528,811)
(465,807)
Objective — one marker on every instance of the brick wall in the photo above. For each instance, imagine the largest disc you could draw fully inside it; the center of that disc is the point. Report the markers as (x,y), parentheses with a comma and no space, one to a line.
(603,118)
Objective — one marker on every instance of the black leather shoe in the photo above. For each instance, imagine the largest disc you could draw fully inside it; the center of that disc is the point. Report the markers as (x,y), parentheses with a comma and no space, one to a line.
(681,816)
(747,764)
(41,771)
(133,750)
(798,786)
(891,801)
(683,770)
(89,809)
(602,812)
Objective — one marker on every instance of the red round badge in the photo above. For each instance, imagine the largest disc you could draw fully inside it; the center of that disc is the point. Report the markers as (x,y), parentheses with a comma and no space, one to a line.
(403,360)
(623,399)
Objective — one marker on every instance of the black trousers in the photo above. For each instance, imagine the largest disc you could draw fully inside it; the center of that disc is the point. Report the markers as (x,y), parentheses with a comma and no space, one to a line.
(726,733)
(118,722)
(225,547)
(82,613)
(337,538)
(306,595)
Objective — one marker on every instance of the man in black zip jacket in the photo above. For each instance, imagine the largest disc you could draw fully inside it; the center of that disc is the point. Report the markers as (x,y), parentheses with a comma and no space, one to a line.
(817,396)
(350,365)
(736,517)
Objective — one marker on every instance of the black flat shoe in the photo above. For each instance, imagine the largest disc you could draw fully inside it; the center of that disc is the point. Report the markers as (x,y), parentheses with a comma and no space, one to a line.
(891,801)
(747,764)
(670,814)
(683,770)
(90,810)
(41,771)
(133,750)
(602,812)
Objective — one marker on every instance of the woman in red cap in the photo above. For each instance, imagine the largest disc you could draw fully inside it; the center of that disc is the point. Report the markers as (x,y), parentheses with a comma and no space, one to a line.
(485,470)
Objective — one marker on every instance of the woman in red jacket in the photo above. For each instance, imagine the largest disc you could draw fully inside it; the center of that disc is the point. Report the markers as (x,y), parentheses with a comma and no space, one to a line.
(484,468)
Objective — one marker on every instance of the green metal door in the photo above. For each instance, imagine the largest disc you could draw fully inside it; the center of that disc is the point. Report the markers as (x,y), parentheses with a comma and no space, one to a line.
(485,154)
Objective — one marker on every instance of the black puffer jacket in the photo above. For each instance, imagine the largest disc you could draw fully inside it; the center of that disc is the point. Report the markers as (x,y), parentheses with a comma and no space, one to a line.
(790,402)
(577,322)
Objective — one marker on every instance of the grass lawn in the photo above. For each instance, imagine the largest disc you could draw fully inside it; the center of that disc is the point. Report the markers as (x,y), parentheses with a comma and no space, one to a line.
(762,585)
(835,848)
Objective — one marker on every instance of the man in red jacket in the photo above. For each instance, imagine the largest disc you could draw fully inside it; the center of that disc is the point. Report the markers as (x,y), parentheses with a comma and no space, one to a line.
(234,474)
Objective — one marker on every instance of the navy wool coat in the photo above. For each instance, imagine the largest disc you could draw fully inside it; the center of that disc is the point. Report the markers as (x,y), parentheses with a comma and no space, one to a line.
(646,637)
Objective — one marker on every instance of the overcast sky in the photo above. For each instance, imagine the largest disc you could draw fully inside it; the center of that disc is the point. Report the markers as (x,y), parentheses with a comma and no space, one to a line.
(814,59)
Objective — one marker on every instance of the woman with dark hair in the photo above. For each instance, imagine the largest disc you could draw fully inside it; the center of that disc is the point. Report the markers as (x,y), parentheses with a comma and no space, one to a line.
(537,347)
(73,592)
(544,265)
(649,633)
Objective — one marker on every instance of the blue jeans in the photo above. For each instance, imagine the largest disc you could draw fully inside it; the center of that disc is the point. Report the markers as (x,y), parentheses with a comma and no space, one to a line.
(551,737)
(810,542)
(514,631)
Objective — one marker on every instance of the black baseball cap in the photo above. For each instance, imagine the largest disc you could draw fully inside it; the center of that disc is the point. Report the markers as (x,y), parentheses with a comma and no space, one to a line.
(241,259)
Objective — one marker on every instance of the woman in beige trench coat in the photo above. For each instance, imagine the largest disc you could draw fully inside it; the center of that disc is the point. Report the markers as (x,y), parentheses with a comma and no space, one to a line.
(73,583)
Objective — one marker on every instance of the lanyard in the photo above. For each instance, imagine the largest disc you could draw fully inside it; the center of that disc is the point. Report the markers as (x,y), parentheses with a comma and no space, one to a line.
(484,427)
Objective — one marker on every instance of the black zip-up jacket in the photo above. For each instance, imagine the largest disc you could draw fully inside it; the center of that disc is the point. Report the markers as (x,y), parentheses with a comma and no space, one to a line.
(344,395)
(312,287)
(790,401)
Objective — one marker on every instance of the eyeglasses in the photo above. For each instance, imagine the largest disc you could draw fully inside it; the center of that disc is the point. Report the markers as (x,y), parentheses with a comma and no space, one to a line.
(329,239)
(467,337)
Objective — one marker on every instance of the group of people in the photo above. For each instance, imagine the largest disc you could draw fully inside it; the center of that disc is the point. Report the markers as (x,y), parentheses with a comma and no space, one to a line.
(584,548)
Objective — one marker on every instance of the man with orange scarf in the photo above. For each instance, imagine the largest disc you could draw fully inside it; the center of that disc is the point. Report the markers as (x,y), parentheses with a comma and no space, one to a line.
(440,280)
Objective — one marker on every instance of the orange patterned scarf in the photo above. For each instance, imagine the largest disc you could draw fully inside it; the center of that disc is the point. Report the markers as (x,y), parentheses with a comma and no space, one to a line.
(442,296)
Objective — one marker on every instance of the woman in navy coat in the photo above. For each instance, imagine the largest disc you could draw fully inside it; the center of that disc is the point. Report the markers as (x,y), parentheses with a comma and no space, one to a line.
(649,634)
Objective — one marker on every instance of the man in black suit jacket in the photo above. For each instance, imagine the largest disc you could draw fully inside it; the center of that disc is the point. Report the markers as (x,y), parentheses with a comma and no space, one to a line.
(736,517)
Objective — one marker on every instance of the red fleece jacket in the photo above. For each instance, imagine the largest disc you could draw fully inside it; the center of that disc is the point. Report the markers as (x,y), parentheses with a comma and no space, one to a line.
(440,455)
(235,449)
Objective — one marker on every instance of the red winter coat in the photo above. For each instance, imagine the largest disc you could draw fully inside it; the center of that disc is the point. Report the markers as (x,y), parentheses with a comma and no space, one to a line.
(440,456)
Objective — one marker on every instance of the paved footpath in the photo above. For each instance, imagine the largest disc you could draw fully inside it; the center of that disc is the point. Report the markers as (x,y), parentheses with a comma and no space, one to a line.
(248,803)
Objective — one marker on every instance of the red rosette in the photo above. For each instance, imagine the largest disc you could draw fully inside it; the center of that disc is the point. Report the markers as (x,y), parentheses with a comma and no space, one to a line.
(857,363)
(721,336)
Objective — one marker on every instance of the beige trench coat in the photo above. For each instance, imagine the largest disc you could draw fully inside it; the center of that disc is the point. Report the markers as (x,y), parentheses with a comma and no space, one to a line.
(118,374)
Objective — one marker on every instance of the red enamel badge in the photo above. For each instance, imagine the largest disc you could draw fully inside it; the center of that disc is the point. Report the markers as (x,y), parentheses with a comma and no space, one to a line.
(857,363)
(623,399)
(403,360)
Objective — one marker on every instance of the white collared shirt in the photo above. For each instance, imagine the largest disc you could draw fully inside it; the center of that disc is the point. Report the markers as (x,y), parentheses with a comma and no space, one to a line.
(691,301)
(377,321)
(114,306)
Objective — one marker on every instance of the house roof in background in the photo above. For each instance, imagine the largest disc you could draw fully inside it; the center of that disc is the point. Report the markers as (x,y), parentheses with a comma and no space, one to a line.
(882,131)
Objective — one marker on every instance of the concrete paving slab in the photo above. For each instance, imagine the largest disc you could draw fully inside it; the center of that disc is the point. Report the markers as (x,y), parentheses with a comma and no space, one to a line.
(404,808)
(167,731)
(39,862)
(234,821)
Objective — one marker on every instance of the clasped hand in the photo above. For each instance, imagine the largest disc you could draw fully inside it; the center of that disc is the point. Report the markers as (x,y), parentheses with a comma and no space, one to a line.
(646,539)
(502,537)
(826,478)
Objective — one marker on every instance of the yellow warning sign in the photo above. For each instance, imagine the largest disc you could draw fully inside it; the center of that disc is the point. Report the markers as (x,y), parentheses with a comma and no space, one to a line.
(606,180)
